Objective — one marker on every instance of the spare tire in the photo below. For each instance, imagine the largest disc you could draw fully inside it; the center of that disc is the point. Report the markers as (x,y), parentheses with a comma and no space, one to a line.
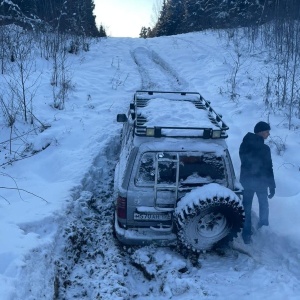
(208,216)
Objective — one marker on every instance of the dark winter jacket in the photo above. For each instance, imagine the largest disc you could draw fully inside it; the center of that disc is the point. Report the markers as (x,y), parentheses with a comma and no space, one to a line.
(256,163)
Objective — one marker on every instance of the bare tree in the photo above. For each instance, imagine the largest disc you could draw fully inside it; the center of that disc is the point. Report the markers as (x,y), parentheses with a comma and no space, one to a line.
(287,73)
(295,61)
(156,9)
(3,48)
(22,79)
(236,60)
(61,78)
(9,110)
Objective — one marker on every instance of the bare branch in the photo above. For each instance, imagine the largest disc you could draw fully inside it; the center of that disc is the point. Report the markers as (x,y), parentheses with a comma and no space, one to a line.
(22,190)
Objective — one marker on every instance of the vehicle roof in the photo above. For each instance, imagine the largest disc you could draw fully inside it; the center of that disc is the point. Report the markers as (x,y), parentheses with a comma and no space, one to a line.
(175,114)
(181,145)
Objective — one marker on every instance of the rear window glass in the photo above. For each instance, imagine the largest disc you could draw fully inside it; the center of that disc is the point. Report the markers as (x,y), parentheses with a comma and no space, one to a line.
(146,172)
(199,170)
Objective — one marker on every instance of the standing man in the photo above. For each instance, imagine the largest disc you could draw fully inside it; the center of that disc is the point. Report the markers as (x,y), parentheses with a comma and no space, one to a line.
(256,176)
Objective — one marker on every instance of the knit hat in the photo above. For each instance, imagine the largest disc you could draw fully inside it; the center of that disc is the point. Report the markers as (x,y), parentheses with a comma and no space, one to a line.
(261,126)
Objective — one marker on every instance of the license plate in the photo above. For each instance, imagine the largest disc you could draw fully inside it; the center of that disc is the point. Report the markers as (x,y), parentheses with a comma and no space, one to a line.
(152,217)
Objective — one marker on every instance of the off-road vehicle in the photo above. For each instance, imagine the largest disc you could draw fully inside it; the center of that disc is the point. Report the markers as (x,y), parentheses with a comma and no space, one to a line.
(174,182)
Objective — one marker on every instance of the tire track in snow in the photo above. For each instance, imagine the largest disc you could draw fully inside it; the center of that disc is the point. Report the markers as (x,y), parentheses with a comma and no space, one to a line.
(95,266)
(270,251)
(92,264)
(157,74)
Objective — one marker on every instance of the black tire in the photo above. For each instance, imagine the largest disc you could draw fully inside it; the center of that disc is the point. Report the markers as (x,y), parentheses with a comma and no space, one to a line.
(205,224)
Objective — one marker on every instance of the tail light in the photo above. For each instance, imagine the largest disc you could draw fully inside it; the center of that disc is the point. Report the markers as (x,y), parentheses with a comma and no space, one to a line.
(121,207)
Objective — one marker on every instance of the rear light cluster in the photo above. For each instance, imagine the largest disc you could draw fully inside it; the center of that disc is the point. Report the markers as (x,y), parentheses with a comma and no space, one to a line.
(121,207)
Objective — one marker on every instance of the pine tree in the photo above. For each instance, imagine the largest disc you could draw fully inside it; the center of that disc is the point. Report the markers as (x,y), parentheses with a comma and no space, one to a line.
(174,16)
(159,29)
(143,33)
(195,15)
(102,32)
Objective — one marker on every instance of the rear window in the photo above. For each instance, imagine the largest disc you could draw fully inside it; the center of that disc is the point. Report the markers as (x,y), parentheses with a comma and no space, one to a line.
(195,169)
(146,172)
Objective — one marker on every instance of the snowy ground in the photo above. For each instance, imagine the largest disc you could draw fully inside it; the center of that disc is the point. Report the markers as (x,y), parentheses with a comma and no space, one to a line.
(60,244)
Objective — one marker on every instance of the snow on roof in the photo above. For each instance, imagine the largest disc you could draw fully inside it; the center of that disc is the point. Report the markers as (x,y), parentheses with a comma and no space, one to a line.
(175,113)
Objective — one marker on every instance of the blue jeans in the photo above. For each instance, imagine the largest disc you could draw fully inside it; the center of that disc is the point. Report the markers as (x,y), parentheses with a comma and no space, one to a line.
(262,196)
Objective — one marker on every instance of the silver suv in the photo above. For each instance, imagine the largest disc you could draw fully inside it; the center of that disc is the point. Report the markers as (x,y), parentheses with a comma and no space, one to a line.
(174,182)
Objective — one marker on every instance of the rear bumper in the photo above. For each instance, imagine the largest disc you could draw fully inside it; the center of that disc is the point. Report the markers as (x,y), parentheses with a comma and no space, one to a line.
(144,236)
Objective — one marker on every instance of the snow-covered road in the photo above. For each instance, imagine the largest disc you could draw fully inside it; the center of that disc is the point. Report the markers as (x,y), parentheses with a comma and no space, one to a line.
(65,249)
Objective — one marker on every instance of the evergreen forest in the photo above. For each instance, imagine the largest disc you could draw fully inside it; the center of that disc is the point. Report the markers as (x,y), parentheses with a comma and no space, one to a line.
(182,16)
(69,16)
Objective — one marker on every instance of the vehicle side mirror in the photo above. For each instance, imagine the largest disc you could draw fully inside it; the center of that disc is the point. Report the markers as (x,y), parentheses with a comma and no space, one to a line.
(121,118)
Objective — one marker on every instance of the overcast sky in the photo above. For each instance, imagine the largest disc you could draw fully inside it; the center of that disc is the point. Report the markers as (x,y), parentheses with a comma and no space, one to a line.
(125,18)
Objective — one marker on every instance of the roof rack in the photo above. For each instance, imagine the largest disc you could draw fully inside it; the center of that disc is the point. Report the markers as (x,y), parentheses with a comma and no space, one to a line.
(175,114)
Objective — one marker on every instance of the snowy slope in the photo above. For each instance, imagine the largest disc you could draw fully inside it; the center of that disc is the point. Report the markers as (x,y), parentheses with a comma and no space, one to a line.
(62,246)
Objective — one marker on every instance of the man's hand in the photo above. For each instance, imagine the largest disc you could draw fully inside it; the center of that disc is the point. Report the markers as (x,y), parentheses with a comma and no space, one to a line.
(272,193)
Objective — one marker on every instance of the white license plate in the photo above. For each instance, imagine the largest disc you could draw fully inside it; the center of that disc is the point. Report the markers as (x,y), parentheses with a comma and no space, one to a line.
(152,217)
